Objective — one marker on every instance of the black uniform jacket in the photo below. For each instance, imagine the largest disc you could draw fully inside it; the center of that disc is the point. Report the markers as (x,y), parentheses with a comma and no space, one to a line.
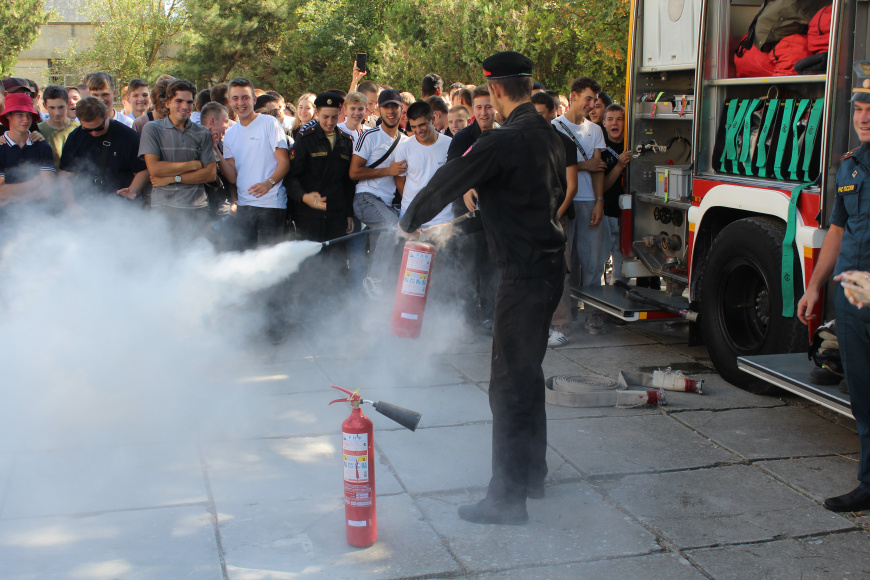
(518,171)
(316,166)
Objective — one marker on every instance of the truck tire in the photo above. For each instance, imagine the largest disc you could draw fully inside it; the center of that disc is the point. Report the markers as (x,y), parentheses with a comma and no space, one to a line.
(741,300)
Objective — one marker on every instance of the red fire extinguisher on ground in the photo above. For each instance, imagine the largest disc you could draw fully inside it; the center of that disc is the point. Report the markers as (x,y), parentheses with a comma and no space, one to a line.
(358,452)
(412,290)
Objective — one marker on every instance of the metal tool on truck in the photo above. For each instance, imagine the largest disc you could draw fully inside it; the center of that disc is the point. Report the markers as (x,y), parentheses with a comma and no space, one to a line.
(732,182)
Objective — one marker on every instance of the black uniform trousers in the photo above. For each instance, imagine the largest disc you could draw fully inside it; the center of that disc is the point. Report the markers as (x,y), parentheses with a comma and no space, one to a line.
(853,334)
(523,309)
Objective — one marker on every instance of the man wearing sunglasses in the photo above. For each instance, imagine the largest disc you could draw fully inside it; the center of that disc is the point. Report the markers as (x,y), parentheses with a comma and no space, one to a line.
(102,155)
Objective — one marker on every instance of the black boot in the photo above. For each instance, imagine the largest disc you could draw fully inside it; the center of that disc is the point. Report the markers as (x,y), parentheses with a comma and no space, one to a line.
(489,511)
(855,501)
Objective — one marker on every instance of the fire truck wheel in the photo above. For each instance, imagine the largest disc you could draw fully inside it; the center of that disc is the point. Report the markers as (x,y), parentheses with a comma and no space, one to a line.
(741,300)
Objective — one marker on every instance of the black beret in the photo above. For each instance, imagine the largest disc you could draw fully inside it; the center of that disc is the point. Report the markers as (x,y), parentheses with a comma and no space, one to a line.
(328,99)
(507,64)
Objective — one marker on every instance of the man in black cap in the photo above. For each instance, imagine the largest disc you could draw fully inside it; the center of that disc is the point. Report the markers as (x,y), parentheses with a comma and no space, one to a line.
(519,174)
(845,251)
(318,180)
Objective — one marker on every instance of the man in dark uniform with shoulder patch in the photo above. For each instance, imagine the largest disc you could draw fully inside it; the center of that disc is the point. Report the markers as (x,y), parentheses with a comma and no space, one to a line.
(320,187)
(318,180)
(518,171)
(847,248)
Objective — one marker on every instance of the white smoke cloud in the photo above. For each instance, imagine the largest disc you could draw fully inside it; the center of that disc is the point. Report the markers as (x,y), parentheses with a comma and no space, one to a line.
(108,331)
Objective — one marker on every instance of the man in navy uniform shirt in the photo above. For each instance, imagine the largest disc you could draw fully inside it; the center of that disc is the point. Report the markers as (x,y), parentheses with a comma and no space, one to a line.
(847,248)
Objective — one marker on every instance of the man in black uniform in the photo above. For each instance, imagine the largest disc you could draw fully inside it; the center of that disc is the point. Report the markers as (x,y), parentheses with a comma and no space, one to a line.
(318,179)
(319,183)
(519,174)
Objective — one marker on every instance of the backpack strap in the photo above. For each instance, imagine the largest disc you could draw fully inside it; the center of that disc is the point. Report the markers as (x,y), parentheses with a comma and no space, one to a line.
(746,144)
(797,140)
(731,134)
(783,134)
(761,158)
(812,130)
(729,120)
(787,274)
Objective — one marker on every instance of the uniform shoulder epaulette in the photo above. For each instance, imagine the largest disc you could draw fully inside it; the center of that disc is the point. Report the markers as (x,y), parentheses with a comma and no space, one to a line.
(308,128)
(849,153)
(344,135)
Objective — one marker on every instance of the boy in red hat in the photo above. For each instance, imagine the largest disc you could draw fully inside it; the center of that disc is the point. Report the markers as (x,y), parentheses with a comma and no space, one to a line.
(26,167)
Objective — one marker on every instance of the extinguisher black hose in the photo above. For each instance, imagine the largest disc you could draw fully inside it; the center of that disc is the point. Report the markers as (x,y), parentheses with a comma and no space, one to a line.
(343,239)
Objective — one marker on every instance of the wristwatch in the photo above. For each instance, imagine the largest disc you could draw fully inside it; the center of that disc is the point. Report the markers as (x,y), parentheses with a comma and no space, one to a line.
(270,180)
(177,179)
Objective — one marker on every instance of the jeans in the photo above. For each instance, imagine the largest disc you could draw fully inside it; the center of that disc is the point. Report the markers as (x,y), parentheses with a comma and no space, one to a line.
(588,242)
(259,226)
(562,315)
(611,248)
(374,213)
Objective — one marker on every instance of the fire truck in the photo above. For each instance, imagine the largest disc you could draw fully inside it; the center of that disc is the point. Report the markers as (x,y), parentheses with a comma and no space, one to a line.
(731,184)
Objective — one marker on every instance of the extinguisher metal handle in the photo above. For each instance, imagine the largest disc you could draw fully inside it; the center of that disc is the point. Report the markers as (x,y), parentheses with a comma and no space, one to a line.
(351,396)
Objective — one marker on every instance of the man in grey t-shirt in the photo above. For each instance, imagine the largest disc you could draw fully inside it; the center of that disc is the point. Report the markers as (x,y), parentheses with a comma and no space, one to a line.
(180,159)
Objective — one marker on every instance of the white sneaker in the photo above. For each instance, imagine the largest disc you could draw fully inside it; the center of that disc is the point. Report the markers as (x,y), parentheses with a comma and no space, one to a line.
(556,339)
(373,287)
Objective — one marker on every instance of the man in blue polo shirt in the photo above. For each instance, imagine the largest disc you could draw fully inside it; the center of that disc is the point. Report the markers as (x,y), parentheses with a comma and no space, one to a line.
(26,168)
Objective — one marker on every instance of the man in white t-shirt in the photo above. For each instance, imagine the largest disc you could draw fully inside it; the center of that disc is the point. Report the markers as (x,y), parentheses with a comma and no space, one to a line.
(355,105)
(373,165)
(424,154)
(257,149)
(589,201)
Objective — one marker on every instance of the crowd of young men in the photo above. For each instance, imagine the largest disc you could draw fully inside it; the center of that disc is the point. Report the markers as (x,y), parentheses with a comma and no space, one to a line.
(233,163)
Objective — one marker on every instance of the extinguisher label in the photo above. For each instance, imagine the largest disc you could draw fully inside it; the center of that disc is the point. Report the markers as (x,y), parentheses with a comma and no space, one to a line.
(414,283)
(355,441)
(419,261)
(356,457)
(357,523)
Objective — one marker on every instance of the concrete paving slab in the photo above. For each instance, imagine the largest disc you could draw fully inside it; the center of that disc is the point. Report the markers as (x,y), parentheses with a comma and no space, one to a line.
(280,470)
(729,504)
(609,361)
(652,567)
(571,524)
(774,433)
(718,394)
(450,458)
(298,376)
(78,481)
(556,363)
(473,365)
(306,539)
(133,545)
(614,336)
(389,372)
(833,556)
(820,477)
(439,405)
(669,331)
(615,445)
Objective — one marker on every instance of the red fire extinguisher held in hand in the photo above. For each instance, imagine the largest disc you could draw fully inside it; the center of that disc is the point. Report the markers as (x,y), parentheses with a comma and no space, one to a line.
(358,451)
(415,276)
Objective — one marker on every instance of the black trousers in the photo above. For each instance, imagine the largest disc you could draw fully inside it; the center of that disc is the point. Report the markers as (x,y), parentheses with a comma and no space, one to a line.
(523,309)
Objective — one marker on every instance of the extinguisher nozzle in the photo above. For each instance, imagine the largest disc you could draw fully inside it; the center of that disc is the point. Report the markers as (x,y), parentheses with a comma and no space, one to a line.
(404,417)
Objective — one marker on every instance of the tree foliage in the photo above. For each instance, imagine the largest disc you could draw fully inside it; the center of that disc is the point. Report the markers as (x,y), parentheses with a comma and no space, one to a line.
(131,38)
(19,27)
(296,46)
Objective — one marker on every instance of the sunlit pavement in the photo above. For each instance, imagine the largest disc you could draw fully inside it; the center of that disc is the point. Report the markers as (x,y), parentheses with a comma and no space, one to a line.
(720,485)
